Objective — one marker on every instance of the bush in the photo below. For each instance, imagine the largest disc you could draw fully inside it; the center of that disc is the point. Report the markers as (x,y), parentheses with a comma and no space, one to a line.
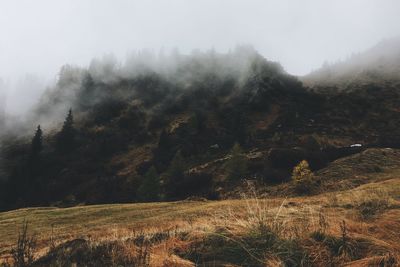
(303,177)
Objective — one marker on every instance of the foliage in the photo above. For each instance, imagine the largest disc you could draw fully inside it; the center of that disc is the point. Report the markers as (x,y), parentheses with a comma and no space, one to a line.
(303,177)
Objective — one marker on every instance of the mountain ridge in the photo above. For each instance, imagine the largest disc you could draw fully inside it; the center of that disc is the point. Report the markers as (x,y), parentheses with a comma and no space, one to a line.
(377,65)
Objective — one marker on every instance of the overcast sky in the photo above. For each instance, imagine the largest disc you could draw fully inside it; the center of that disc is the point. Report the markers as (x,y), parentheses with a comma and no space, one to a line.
(38,36)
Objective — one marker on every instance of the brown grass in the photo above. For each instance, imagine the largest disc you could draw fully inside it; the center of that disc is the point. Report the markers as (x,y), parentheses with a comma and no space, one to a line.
(176,229)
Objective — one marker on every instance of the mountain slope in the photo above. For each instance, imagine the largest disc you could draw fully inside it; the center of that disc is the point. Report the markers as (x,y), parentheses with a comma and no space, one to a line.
(379,65)
(191,230)
(132,117)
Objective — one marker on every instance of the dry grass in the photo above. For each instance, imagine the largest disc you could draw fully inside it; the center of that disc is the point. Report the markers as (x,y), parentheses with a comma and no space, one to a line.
(303,229)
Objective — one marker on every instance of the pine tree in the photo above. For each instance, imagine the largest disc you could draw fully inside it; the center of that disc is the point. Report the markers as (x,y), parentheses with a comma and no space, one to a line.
(174,176)
(237,164)
(37,142)
(66,137)
(150,190)
(31,184)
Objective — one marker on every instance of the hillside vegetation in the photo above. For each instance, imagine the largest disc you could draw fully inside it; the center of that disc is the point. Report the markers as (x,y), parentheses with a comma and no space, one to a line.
(356,227)
(183,115)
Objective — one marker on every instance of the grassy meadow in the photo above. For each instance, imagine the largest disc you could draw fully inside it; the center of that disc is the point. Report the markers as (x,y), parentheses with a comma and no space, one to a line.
(354,227)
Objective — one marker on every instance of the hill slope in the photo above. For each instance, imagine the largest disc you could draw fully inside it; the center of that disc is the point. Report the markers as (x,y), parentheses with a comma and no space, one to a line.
(128,119)
(379,65)
(193,230)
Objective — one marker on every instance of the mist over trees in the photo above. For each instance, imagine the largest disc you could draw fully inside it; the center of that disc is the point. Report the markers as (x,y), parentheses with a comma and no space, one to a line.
(2,107)
(37,143)
(165,127)
(164,74)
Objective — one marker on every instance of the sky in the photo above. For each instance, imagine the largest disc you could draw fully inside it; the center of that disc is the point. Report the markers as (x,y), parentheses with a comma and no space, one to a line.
(37,37)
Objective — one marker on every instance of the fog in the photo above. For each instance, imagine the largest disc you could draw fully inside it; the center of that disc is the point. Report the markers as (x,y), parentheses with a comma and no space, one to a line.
(38,37)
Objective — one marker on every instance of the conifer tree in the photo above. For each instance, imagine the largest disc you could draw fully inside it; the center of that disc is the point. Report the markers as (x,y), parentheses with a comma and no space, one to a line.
(31,185)
(150,190)
(37,142)
(66,137)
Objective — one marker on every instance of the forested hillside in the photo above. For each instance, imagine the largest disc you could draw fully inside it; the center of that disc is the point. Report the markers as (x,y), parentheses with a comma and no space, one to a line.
(172,126)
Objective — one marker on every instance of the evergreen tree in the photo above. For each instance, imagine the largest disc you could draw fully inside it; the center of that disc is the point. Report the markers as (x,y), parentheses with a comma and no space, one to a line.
(30,176)
(149,190)
(37,142)
(237,164)
(174,176)
(66,137)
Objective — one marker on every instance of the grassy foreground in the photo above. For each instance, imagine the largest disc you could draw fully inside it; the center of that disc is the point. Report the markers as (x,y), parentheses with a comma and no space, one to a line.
(357,227)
